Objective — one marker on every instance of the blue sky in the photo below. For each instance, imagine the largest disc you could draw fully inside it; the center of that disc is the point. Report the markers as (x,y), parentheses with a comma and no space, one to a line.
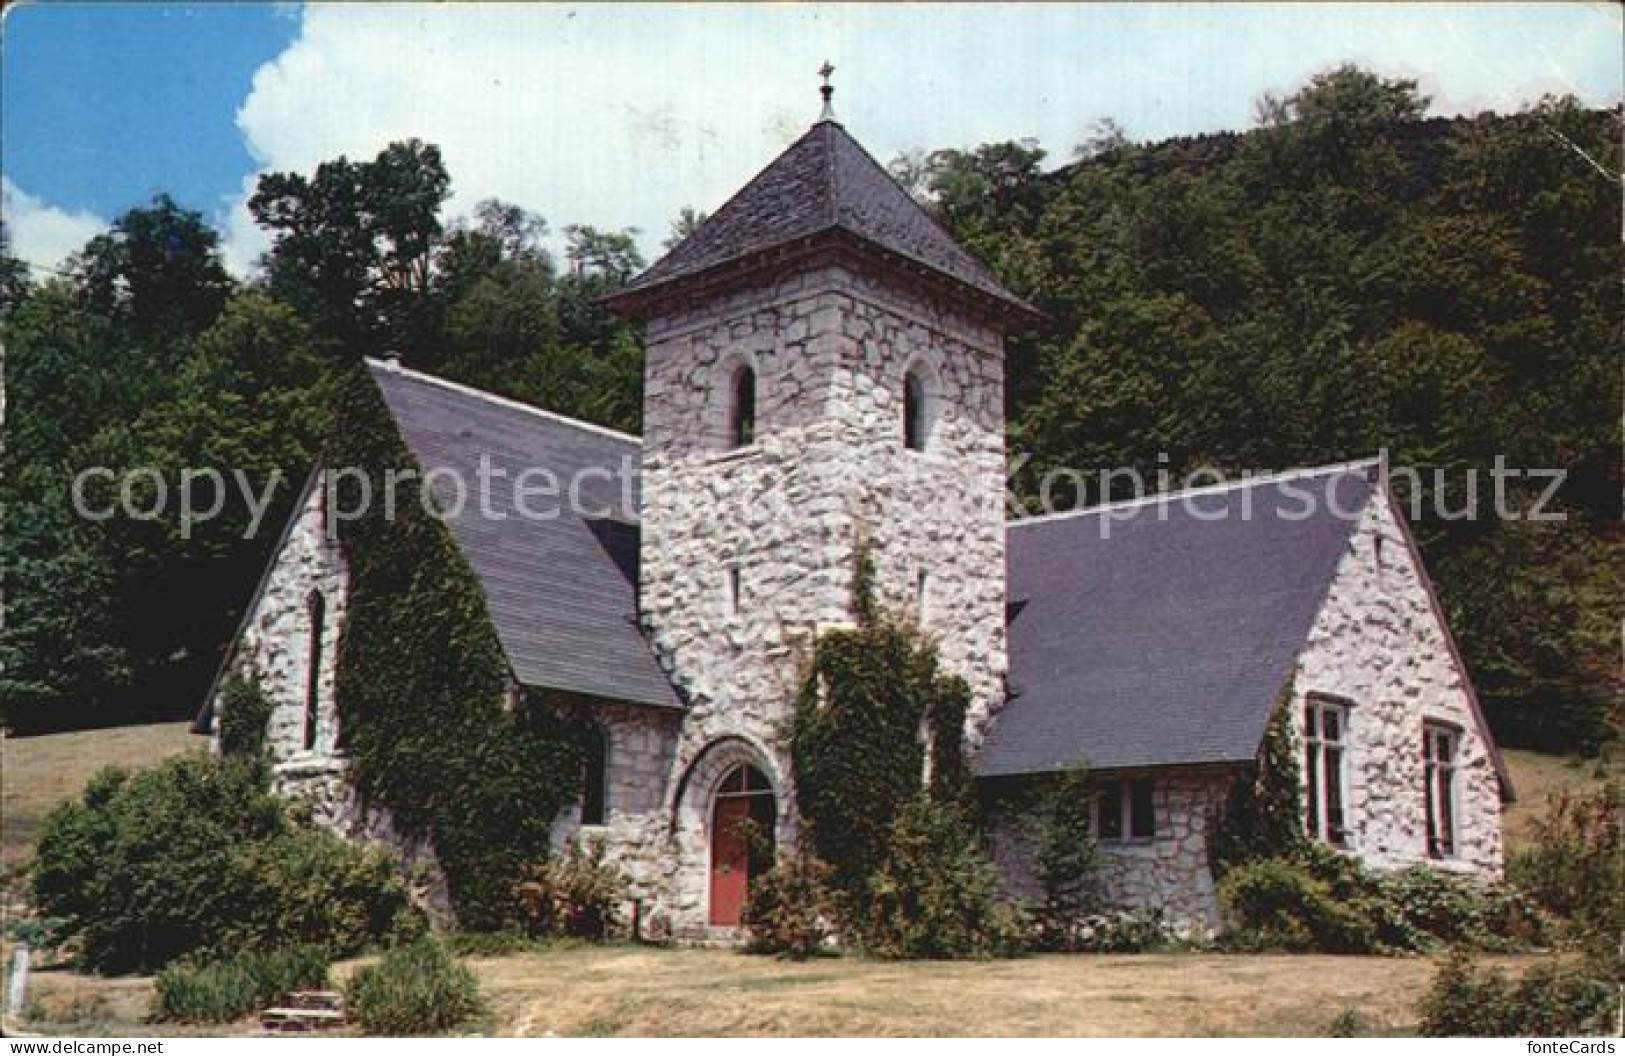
(619,116)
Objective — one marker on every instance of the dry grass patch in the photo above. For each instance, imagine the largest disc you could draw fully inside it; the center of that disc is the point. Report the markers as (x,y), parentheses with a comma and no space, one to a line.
(1536,777)
(644,992)
(37,773)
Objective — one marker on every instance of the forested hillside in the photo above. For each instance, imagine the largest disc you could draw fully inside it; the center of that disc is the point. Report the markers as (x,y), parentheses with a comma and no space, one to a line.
(1348,277)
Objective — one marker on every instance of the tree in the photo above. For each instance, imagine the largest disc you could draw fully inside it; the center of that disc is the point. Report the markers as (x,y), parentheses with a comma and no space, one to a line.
(688,221)
(158,272)
(353,245)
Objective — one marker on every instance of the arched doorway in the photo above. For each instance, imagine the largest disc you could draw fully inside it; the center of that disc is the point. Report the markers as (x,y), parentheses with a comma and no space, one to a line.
(743,816)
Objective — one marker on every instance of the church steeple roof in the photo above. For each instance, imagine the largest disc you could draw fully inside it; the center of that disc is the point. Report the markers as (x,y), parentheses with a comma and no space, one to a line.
(824,186)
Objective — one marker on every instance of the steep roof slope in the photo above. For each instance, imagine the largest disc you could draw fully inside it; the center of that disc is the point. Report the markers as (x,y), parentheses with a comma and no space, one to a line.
(824,182)
(562,590)
(1153,634)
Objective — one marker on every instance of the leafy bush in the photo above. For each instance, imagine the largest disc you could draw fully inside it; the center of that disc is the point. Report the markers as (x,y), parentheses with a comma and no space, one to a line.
(416,989)
(189,991)
(574,895)
(245,713)
(1067,861)
(934,896)
(1326,901)
(1263,815)
(194,855)
(1551,1000)
(1276,903)
(789,910)
(317,889)
(1572,868)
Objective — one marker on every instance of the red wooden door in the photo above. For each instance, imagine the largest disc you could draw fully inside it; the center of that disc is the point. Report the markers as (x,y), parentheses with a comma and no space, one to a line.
(730,861)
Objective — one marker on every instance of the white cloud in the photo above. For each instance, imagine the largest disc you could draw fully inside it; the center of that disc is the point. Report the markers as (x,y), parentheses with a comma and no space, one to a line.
(619,116)
(41,234)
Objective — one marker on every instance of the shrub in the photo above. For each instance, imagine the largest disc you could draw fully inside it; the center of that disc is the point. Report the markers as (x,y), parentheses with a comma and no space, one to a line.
(789,910)
(189,991)
(1275,903)
(1067,861)
(490,943)
(933,897)
(1263,815)
(245,712)
(1572,868)
(316,889)
(194,856)
(416,989)
(1551,1000)
(574,895)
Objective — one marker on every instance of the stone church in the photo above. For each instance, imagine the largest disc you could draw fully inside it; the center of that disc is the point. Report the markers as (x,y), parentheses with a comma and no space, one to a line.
(825,365)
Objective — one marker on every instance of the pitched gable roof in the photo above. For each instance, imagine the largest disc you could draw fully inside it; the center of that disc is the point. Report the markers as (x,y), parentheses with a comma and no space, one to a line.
(824,183)
(561,590)
(1161,633)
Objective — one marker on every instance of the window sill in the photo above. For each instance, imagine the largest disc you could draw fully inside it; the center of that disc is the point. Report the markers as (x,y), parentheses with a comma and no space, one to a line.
(737,454)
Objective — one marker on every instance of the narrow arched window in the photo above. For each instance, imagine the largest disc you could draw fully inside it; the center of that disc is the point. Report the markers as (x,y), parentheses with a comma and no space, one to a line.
(913,412)
(742,414)
(313,678)
(595,780)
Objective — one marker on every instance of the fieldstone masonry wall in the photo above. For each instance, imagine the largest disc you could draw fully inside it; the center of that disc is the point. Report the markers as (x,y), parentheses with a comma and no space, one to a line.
(1169,872)
(276,640)
(1379,643)
(831,348)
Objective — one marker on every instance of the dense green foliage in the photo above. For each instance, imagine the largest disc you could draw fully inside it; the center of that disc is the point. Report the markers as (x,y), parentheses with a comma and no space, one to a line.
(935,893)
(1263,814)
(144,352)
(415,989)
(575,894)
(789,911)
(201,991)
(1066,860)
(245,714)
(1328,902)
(1345,279)
(194,856)
(898,853)
(856,744)
(421,684)
(1551,1000)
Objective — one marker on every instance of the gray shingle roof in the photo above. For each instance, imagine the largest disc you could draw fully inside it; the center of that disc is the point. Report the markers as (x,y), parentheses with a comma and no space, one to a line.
(562,591)
(1169,640)
(824,182)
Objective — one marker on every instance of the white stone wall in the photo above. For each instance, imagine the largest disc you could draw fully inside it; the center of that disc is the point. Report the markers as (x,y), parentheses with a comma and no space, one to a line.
(1169,872)
(276,640)
(831,348)
(276,645)
(1378,642)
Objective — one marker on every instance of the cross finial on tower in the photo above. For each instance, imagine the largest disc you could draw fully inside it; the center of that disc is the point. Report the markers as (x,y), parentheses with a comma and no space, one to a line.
(827,91)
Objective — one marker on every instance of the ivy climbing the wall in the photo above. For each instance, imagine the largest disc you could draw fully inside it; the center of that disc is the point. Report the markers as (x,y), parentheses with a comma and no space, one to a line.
(857,743)
(422,682)
(1263,817)
(245,714)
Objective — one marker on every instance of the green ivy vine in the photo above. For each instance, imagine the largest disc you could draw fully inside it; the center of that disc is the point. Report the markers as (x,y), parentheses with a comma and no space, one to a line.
(856,742)
(422,683)
(1263,816)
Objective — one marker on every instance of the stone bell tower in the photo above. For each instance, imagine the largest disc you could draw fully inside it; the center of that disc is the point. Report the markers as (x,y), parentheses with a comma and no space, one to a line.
(824,366)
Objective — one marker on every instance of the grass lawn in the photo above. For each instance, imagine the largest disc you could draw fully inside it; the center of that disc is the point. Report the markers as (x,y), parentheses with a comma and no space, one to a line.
(1536,777)
(37,773)
(642,991)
